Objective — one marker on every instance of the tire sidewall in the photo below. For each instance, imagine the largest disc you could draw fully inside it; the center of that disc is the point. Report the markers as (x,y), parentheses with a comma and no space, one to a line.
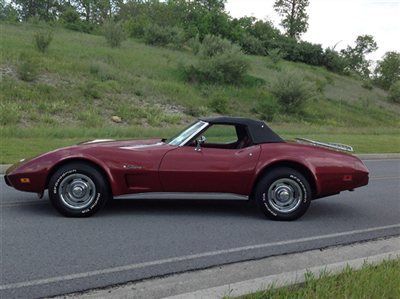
(102,190)
(262,193)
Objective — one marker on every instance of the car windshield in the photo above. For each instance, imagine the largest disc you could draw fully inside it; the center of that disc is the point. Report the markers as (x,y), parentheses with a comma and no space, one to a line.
(188,133)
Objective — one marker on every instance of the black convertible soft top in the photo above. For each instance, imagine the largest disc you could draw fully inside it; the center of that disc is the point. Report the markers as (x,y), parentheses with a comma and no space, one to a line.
(258,130)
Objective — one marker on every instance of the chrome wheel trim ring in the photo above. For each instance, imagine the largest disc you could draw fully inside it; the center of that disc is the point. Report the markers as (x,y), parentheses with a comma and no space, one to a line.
(77,191)
(285,195)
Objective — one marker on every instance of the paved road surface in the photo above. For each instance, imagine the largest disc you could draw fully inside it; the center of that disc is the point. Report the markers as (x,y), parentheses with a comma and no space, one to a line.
(44,254)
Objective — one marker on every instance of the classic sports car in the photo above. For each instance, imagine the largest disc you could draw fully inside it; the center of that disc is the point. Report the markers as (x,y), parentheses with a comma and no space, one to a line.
(213,158)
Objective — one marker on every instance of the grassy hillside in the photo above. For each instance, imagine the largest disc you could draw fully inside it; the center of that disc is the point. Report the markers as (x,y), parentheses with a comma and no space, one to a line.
(82,83)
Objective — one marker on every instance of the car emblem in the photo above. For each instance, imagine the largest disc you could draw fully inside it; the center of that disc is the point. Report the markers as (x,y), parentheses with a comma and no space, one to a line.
(128,166)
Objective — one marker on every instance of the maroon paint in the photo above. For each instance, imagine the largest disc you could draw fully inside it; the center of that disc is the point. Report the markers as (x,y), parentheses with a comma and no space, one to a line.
(137,166)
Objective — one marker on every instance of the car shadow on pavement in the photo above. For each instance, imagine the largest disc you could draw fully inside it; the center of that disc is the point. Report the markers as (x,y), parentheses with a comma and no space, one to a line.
(173,207)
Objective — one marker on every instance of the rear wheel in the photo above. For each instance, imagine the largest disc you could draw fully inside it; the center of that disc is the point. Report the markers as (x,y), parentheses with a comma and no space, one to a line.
(78,190)
(283,194)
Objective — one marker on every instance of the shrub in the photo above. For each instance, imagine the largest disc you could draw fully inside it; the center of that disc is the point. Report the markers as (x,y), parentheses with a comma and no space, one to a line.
(27,68)
(266,108)
(219,61)
(213,45)
(394,92)
(194,44)
(164,36)
(43,40)
(9,113)
(102,71)
(367,84)
(291,91)
(114,34)
(333,61)
(91,90)
(219,104)
(252,45)
(136,27)
(276,55)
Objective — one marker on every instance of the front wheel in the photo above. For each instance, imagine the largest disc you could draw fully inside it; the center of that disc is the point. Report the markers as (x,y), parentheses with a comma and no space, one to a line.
(283,194)
(78,190)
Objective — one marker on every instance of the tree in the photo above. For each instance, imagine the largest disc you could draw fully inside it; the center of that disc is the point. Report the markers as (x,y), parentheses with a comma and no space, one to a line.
(43,9)
(8,12)
(388,70)
(210,5)
(355,56)
(294,16)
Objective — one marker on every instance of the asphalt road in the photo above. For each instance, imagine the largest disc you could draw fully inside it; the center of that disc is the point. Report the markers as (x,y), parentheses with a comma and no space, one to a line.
(44,254)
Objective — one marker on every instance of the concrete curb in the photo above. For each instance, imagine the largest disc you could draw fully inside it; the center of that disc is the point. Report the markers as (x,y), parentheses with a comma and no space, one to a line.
(388,156)
(3,168)
(284,279)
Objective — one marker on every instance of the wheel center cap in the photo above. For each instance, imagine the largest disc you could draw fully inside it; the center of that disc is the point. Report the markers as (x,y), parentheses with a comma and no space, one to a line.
(284,195)
(78,191)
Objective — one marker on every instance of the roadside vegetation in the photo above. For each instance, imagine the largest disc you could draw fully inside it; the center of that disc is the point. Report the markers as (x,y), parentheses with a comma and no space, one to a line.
(137,69)
(372,281)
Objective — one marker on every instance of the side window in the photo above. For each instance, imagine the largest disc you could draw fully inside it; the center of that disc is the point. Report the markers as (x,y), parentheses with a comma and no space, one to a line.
(221,134)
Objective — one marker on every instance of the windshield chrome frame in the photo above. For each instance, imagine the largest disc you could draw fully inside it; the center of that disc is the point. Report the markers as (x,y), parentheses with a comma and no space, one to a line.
(190,137)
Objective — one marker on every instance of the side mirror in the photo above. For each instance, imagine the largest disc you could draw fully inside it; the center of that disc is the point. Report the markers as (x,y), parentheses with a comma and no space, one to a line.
(200,142)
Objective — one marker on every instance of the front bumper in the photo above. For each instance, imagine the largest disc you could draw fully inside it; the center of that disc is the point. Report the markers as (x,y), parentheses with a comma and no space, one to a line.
(8,182)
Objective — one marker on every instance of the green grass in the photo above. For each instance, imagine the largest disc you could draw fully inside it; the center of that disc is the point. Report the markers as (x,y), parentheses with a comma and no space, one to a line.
(372,281)
(81,83)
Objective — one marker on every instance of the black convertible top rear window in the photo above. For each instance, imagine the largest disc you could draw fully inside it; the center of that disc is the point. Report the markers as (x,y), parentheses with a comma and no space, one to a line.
(258,130)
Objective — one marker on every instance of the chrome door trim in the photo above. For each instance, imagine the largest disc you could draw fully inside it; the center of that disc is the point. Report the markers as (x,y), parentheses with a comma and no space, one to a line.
(184,196)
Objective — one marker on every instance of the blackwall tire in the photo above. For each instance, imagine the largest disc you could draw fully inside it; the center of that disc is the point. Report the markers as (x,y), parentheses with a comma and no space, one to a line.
(283,194)
(78,190)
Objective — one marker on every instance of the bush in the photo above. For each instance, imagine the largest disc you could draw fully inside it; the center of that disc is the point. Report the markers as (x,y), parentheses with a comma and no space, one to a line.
(102,71)
(43,40)
(164,36)
(252,45)
(394,92)
(291,91)
(194,44)
(219,104)
(276,55)
(136,27)
(367,84)
(267,108)
(219,61)
(27,68)
(333,61)
(114,34)
(213,45)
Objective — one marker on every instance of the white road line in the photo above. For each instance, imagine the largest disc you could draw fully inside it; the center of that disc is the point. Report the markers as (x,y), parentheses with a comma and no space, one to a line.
(186,258)
(385,178)
(380,160)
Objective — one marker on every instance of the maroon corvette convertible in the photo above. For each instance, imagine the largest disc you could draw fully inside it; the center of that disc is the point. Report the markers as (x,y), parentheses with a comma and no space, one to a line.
(214,158)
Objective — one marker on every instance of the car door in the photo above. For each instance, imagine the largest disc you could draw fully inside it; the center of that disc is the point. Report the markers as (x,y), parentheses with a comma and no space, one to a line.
(209,169)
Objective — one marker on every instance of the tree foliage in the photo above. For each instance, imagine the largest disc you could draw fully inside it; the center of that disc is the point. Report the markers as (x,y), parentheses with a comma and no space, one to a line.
(394,92)
(356,60)
(294,16)
(388,70)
